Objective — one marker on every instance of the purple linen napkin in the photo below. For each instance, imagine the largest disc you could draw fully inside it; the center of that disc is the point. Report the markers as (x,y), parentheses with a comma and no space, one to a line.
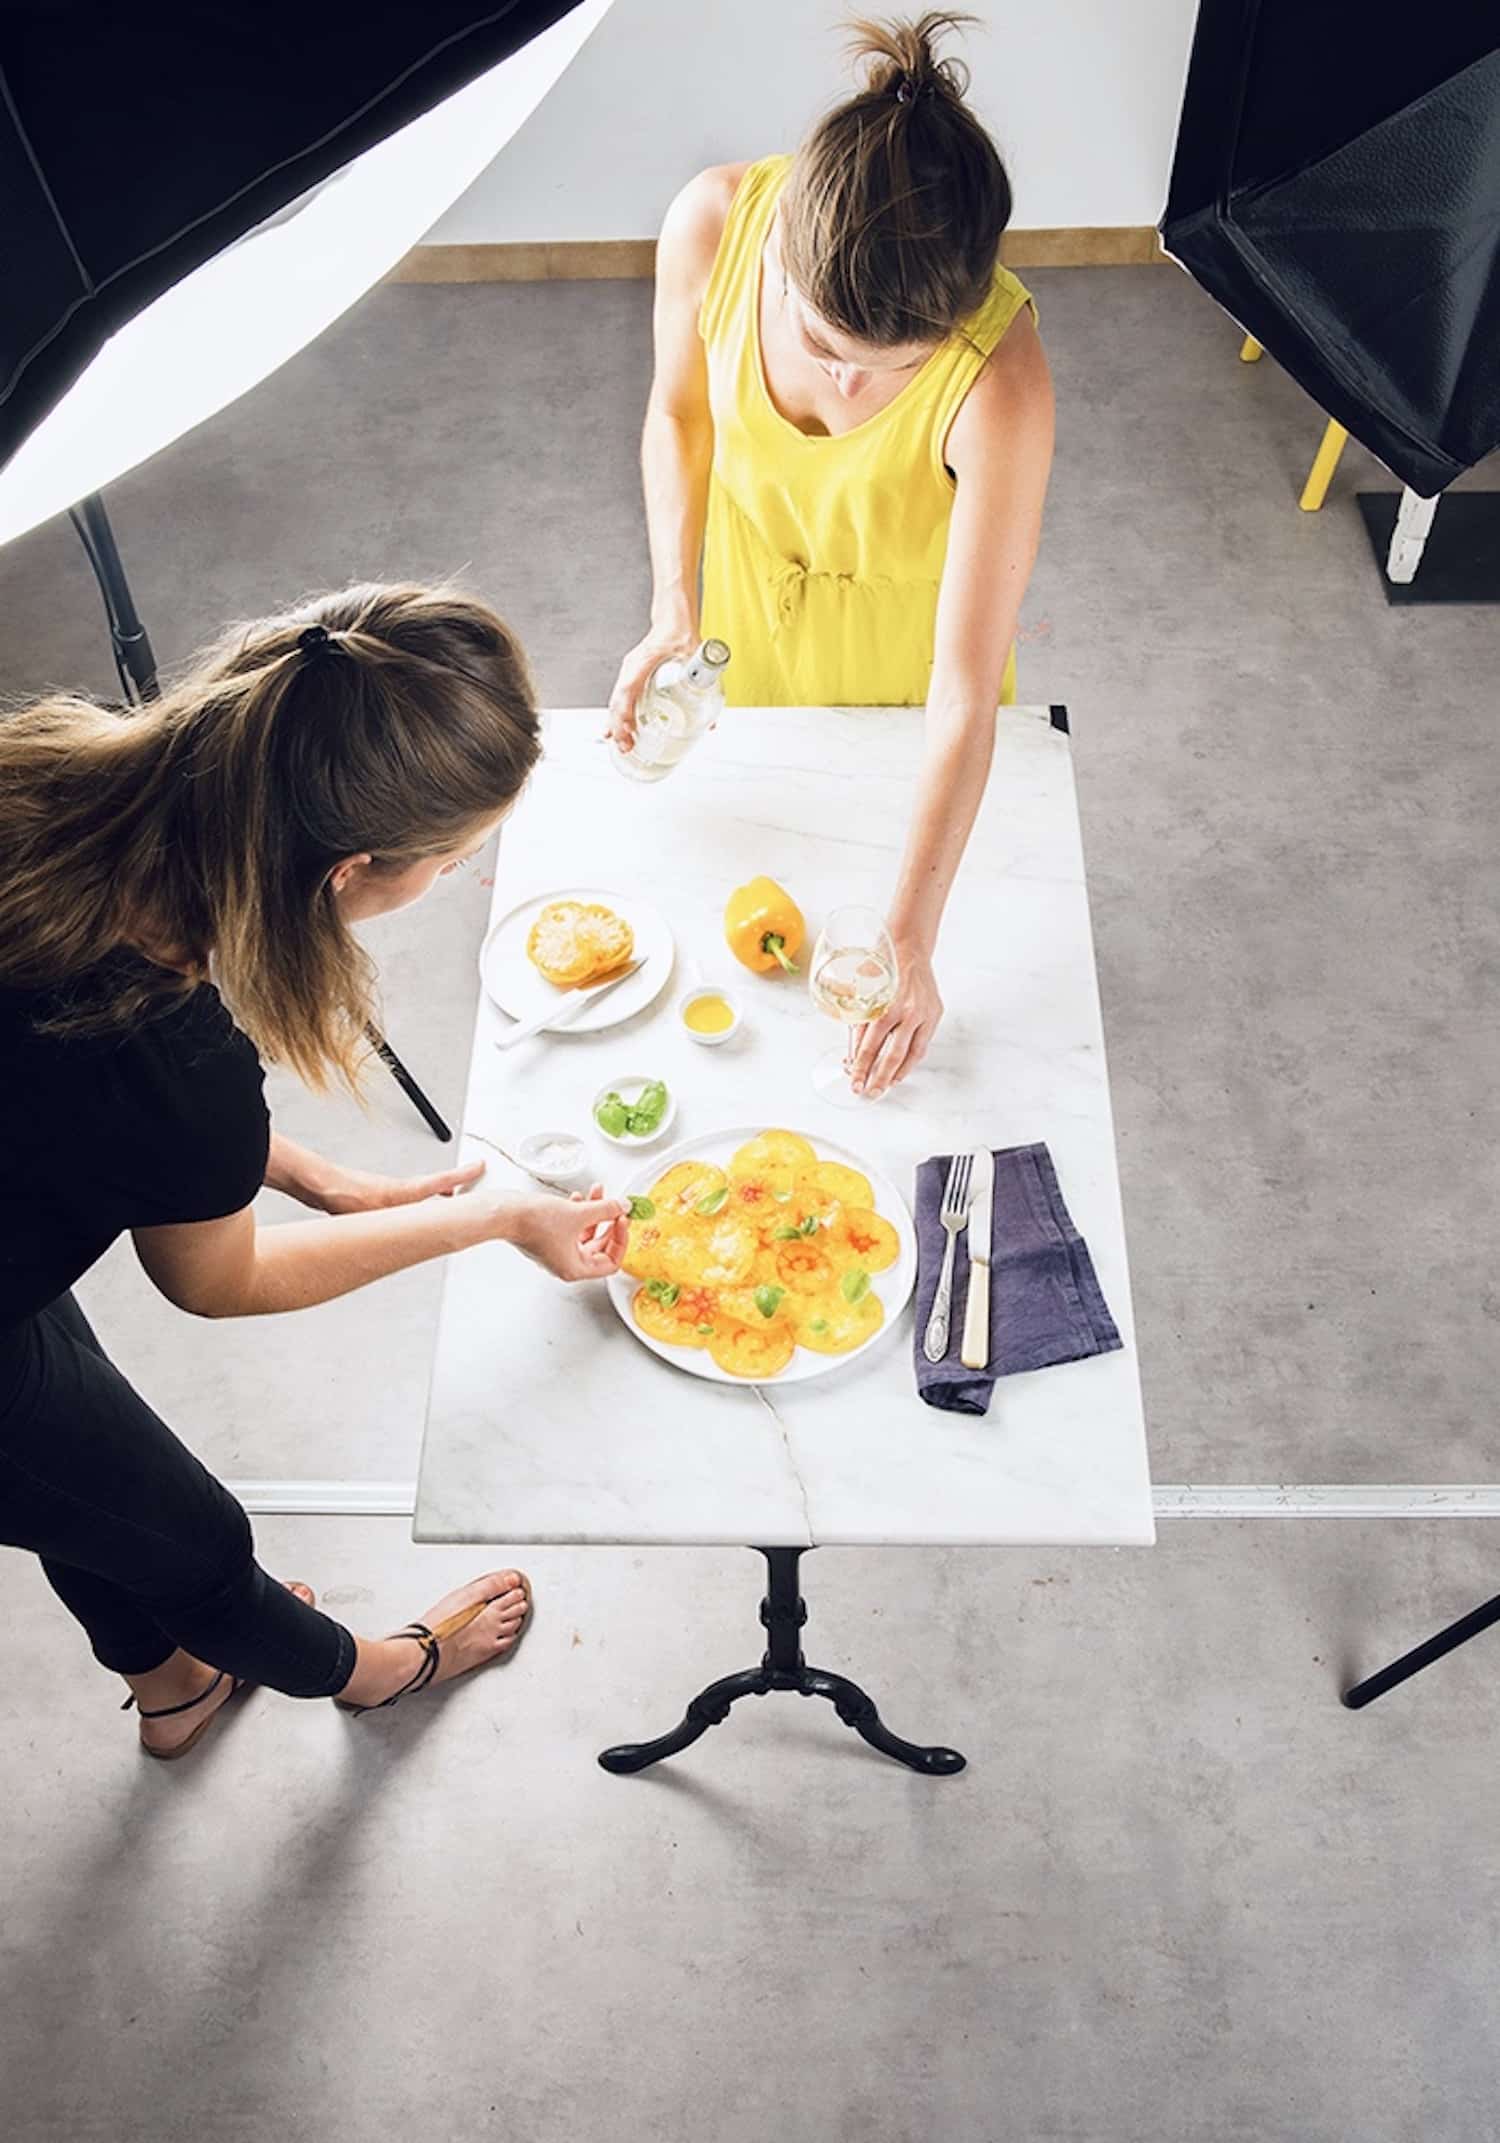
(1045,1302)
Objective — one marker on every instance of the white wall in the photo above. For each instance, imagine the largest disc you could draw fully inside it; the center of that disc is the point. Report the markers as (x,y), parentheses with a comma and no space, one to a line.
(1081,95)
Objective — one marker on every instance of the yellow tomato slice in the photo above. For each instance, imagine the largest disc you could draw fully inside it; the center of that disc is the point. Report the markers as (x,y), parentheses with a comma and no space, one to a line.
(829,1183)
(803,1268)
(684,1187)
(763,1303)
(860,1237)
(745,1352)
(730,1253)
(643,1251)
(826,1324)
(774,1159)
(675,1324)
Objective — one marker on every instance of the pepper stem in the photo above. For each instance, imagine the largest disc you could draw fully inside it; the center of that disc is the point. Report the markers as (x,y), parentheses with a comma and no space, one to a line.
(776,947)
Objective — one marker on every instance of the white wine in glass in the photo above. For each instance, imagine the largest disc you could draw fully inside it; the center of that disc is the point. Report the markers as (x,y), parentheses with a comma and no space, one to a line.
(852,976)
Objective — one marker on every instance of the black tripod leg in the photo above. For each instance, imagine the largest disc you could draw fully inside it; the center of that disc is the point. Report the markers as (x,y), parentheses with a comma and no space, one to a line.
(408,1085)
(709,1709)
(134,661)
(1423,1655)
(858,1710)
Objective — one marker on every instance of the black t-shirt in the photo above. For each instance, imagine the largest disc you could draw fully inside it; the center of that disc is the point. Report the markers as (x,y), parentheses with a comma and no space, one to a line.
(162,1122)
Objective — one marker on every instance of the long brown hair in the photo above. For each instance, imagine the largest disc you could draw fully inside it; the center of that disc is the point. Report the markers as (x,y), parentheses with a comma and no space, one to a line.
(205,827)
(896,202)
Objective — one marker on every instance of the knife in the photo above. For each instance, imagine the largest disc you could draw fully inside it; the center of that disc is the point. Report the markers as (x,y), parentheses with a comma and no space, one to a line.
(975,1351)
(563,1015)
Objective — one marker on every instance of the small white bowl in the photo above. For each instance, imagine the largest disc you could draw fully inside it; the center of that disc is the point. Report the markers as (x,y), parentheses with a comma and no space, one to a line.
(575,1175)
(709,989)
(628,1088)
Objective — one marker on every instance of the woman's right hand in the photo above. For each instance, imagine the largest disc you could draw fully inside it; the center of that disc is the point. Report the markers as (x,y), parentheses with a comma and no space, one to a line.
(580,1238)
(660,644)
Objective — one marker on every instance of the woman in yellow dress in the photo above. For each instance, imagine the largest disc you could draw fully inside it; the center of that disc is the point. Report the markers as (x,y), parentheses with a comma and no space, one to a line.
(850,432)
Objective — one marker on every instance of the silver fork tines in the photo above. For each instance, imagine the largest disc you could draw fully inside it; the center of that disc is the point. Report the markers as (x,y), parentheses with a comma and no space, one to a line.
(954,1215)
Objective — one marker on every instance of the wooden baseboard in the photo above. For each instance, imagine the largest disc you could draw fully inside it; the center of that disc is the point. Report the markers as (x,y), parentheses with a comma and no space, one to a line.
(631,259)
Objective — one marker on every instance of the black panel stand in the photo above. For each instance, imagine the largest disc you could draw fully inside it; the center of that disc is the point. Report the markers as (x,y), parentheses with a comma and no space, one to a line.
(783,1612)
(1423,1655)
(136,665)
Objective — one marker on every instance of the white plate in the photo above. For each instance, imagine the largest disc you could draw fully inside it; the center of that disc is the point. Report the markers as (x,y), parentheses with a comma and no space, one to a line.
(514,985)
(893,1286)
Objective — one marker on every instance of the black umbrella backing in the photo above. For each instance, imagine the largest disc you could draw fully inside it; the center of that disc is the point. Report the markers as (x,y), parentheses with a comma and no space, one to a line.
(137,143)
(1336,187)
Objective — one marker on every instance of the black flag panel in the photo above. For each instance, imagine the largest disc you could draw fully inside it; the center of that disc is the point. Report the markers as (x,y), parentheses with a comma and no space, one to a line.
(1336,188)
(136,143)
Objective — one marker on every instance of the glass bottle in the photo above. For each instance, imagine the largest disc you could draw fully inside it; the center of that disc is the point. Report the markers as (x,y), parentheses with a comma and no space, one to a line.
(683,697)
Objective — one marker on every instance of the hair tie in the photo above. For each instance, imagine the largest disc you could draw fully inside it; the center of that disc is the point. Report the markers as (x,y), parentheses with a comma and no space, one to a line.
(316,640)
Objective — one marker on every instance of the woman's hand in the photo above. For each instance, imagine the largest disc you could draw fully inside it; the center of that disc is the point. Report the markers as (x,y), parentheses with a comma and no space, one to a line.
(660,644)
(351,1190)
(579,1238)
(889,1047)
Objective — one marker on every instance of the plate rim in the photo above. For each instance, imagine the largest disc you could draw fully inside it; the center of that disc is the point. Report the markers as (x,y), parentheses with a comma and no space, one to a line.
(698,1363)
(576,1026)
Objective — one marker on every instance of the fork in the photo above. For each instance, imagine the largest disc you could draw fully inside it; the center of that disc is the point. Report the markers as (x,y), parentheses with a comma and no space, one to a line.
(954,1215)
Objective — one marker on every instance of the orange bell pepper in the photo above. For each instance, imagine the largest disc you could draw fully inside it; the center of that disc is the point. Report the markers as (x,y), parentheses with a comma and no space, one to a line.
(763,926)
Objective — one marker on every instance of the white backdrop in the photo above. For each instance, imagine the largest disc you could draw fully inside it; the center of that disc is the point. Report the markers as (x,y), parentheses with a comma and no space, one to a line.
(1082,96)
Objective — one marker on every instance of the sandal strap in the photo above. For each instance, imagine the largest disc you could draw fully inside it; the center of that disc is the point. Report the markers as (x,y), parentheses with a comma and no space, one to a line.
(170,1711)
(431,1660)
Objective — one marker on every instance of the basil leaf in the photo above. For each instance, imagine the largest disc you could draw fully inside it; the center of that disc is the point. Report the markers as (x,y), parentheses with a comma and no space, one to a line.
(768,1300)
(649,1107)
(787,1235)
(669,1294)
(713,1202)
(706,1331)
(810,1225)
(642,1209)
(819,1324)
(654,1288)
(612,1115)
(855,1284)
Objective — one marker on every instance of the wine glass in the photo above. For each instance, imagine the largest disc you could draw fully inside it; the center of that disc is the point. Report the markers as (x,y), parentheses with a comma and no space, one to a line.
(852,976)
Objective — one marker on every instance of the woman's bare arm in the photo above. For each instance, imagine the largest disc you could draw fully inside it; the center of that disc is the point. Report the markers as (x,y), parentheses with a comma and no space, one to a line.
(1000,449)
(677,442)
(232,1268)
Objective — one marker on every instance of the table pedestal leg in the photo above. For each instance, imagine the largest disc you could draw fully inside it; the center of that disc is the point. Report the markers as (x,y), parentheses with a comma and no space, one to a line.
(783,1612)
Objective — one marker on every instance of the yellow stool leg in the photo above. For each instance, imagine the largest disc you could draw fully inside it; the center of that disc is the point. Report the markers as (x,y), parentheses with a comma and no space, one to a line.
(1249,350)
(1325,461)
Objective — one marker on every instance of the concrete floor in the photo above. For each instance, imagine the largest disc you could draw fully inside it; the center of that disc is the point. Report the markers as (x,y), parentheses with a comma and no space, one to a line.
(1180,1893)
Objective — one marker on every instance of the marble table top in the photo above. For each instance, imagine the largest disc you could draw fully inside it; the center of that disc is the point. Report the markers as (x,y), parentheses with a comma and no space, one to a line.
(548,1421)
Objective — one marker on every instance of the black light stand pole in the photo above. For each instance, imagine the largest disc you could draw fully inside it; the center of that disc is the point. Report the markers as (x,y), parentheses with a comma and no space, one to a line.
(136,665)
(1423,1655)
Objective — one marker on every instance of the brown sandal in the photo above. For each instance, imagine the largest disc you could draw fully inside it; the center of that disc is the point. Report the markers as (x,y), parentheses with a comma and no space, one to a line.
(308,1598)
(432,1641)
(172,1711)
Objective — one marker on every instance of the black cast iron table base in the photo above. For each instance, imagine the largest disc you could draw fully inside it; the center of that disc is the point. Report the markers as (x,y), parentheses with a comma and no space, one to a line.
(783,1612)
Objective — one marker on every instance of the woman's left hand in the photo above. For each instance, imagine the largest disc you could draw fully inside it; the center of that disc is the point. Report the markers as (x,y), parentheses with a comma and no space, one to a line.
(889,1047)
(352,1190)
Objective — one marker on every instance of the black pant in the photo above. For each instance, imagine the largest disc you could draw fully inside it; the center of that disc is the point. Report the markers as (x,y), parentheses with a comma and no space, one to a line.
(138,1539)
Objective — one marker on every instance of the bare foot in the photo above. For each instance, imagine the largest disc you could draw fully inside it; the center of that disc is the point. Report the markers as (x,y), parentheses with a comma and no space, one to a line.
(184,1678)
(387,1666)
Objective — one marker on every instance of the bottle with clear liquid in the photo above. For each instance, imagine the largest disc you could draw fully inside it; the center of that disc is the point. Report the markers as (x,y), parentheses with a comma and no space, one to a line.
(683,697)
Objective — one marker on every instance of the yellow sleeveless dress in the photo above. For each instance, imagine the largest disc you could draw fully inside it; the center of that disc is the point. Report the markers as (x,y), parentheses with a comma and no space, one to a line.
(822,555)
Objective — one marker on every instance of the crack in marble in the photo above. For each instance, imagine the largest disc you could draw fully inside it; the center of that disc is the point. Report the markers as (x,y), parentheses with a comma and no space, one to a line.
(791,1460)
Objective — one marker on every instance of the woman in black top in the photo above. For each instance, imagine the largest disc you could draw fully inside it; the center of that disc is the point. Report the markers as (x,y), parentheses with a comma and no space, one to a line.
(308,771)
